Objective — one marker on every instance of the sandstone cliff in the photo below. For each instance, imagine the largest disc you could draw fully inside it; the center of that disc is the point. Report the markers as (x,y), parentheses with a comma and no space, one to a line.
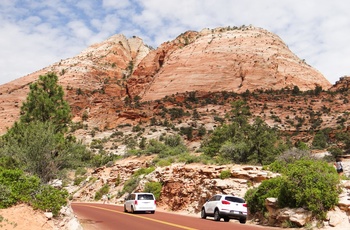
(98,80)
(223,59)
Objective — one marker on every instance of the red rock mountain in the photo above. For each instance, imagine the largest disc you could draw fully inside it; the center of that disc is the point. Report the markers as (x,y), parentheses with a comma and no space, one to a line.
(223,59)
(100,78)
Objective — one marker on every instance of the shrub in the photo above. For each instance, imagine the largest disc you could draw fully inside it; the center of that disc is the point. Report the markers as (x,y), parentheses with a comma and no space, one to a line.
(225,174)
(50,199)
(102,191)
(16,187)
(310,184)
(131,184)
(307,183)
(144,171)
(153,187)
(256,197)
(79,179)
(80,171)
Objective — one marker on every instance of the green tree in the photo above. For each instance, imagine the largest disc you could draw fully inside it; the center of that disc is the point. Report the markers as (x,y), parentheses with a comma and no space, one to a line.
(40,150)
(38,143)
(242,142)
(45,102)
(296,90)
(263,140)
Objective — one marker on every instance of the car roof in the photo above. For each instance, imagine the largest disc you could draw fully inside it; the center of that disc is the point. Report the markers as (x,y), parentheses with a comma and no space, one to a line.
(226,195)
(142,193)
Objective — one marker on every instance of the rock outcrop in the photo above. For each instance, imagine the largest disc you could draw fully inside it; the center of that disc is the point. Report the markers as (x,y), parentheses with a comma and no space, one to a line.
(99,80)
(184,187)
(222,59)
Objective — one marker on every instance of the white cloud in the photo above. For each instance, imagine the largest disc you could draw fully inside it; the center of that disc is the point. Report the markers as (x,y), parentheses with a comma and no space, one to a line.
(38,33)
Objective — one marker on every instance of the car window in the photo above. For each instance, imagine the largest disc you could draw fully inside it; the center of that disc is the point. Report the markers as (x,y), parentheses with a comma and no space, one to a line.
(132,197)
(234,199)
(145,197)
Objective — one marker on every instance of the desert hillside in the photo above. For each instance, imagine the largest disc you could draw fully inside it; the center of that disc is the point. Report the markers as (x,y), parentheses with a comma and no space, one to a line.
(102,78)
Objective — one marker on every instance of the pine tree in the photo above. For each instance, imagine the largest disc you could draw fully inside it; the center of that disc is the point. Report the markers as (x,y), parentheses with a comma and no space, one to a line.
(45,102)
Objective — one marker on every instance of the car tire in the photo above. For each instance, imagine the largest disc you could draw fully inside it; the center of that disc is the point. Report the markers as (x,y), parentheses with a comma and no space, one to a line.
(217,215)
(226,219)
(203,214)
(125,209)
(132,209)
(152,212)
(242,221)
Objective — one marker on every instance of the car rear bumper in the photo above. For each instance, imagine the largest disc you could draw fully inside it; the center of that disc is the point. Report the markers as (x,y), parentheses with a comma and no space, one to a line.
(144,208)
(233,214)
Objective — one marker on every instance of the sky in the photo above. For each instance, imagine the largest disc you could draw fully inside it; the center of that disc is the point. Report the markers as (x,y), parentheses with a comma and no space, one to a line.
(37,33)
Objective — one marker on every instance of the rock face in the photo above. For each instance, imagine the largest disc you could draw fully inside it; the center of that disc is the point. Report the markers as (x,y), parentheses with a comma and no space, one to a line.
(184,187)
(223,59)
(93,81)
(99,79)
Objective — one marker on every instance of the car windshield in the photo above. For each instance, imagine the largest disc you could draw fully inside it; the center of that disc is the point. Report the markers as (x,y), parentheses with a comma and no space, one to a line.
(234,199)
(145,197)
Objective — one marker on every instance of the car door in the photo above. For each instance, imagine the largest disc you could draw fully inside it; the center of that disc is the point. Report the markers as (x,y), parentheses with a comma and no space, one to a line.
(212,203)
(129,201)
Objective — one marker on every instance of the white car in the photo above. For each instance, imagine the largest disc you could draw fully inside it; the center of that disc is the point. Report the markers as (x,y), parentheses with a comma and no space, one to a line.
(225,206)
(140,202)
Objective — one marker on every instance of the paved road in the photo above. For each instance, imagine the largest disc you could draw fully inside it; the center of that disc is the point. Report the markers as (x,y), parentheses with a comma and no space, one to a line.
(111,217)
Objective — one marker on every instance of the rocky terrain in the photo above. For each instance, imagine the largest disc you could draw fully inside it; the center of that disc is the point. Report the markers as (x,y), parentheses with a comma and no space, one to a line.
(122,86)
(104,76)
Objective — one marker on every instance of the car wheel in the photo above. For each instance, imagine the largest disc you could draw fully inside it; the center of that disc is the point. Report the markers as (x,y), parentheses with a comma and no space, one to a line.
(152,212)
(132,209)
(125,209)
(226,219)
(217,215)
(203,214)
(242,221)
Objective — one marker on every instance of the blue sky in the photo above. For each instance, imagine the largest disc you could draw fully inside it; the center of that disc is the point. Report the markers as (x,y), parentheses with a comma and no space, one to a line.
(37,33)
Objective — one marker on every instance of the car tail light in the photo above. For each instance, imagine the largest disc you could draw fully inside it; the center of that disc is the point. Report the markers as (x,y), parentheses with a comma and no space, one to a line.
(155,202)
(225,202)
(244,205)
(135,202)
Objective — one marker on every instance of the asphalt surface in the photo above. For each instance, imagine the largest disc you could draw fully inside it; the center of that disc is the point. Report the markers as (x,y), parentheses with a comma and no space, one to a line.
(95,216)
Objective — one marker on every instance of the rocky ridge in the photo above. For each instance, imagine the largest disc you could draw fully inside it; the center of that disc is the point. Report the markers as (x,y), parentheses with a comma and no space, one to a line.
(99,80)
(222,59)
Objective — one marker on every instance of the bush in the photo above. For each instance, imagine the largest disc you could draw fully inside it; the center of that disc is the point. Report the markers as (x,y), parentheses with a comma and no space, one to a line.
(154,187)
(144,171)
(310,184)
(16,187)
(79,179)
(131,184)
(225,174)
(50,199)
(256,197)
(102,191)
(306,183)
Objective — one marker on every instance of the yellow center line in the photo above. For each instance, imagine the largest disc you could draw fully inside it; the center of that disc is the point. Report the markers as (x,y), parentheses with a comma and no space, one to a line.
(143,217)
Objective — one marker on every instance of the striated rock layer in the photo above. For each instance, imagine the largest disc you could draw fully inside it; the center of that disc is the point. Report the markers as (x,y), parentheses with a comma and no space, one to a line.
(224,59)
(99,79)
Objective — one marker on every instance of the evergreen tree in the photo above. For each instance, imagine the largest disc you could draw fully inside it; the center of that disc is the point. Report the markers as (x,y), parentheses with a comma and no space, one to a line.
(38,143)
(45,102)
(242,142)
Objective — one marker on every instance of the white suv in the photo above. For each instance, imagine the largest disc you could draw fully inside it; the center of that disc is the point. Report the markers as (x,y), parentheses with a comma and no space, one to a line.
(225,206)
(137,202)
